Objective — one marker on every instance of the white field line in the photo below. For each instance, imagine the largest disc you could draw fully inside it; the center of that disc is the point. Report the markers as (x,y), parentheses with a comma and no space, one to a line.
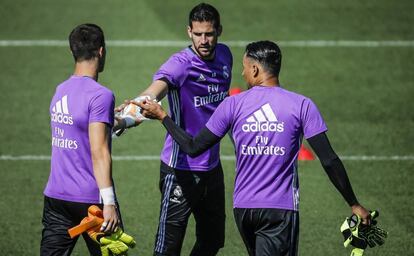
(223,157)
(242,43)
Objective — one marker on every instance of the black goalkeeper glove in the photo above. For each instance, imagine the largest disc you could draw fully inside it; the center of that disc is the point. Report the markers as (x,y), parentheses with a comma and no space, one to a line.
(372,234)
(360,235)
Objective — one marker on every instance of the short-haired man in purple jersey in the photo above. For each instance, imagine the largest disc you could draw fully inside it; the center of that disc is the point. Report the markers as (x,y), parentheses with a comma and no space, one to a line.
(196,80)
(82,115)
(267,123)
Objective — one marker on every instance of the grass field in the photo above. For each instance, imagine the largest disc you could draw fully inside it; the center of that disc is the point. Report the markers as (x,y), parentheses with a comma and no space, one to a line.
(364,93)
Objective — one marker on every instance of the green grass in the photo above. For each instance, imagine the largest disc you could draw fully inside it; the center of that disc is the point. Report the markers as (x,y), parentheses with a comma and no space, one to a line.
(364,95)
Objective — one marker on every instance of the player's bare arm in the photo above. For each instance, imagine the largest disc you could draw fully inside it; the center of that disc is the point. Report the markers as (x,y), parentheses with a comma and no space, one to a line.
(102,168)
(156,91)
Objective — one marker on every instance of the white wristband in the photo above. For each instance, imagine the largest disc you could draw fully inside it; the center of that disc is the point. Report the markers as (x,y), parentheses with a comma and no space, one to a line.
(108,196)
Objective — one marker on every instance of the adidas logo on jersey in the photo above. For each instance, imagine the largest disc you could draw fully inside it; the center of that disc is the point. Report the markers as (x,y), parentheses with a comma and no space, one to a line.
(60,112)
(201,78)
(263,119)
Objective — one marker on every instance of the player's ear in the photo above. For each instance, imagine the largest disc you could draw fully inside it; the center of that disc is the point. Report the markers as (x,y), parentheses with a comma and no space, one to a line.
(255,70)
(101,51)
(190,35)
(101,58)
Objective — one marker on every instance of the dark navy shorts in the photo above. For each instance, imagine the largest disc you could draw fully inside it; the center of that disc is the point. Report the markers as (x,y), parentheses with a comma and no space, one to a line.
(268,232)
(58,217)
(186,192)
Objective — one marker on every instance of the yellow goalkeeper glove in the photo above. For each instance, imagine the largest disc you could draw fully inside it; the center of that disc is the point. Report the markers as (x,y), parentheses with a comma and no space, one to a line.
(360,236)
(116,243)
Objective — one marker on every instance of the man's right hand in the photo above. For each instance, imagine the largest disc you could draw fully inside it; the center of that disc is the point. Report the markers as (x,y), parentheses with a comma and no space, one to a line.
(151,109)
(130,118)
(363,213)
(111,219)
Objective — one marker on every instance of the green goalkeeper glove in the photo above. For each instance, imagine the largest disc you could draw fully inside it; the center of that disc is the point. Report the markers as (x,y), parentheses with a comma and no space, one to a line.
(116,243)
(350,232)
(360,235)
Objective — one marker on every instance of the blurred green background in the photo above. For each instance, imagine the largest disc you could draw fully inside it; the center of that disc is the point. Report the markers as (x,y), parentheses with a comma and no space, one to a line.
(364,93)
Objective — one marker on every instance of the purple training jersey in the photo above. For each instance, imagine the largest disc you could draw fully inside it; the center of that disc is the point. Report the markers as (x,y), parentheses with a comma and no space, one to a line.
(196,88)
(267,125)
(77,102)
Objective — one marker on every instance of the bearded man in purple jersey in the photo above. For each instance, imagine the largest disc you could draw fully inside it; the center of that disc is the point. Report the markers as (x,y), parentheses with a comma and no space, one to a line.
(196,80)
(82,115)
(267,123)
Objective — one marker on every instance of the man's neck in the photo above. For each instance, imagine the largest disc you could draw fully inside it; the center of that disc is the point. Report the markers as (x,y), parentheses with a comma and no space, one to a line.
(270,81)
(87,68)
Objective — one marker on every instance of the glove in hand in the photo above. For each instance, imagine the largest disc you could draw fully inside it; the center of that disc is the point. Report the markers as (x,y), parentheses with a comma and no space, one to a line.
(360,235)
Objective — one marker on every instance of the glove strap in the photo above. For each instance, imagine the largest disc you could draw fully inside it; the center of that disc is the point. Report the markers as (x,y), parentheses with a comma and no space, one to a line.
(357,252)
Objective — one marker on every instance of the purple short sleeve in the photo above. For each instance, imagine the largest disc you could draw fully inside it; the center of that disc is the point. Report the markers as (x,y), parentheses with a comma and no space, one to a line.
(174,70)
(313,123)
(102,108)
(220,122)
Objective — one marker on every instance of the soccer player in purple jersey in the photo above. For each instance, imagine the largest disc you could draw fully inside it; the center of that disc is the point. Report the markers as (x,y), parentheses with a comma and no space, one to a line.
(82,115)
(267,123)
(196,80)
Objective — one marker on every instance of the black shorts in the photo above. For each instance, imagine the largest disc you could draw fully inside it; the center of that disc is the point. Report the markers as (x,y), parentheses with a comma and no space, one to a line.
(186,192)
(270,232)
(58,217)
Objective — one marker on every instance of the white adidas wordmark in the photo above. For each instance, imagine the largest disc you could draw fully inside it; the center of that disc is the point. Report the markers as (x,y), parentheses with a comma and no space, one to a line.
(61,112)
(61,106)
(263,119)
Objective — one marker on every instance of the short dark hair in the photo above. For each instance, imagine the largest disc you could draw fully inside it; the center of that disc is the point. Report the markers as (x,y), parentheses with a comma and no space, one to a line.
(85,41)
(267,53)
(204,12)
